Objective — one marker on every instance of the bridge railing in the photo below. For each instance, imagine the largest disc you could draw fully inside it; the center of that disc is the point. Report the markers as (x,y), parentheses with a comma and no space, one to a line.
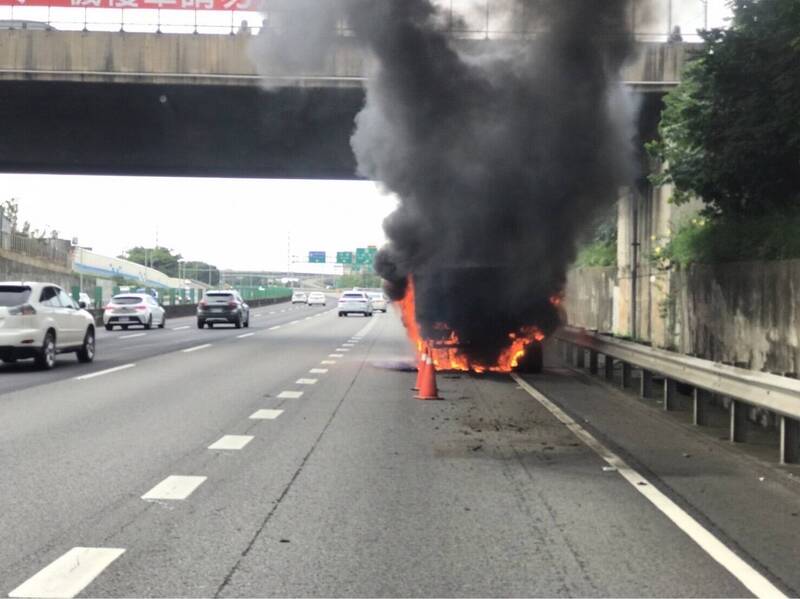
(45,249)
(741,387)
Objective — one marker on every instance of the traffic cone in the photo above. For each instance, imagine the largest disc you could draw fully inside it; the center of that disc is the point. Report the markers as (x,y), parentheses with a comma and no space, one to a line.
(427,387)
(423,357)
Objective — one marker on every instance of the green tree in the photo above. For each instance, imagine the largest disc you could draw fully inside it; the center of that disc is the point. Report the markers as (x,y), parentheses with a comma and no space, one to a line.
(160,258)
(202,271)
(730,132)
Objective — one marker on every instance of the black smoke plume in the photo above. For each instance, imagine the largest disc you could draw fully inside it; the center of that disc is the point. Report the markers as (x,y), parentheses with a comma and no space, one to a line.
(500,157)
(500,151)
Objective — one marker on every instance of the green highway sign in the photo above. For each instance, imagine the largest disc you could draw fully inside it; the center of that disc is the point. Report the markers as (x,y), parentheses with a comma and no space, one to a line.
(316,257)
(344,257)
(366,256)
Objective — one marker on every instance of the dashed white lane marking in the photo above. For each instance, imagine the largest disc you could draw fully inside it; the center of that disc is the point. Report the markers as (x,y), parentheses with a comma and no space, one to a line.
(290,395)
(308,318)
(306,381)
(271,313)
(86,377)
(69,574)
(134,336)
(738,568)
(231,442)
(245,336)
(348,344)
(318,371)
(328,362)
(275,328)
(344,349)
(266,414)
(175,488)
(182,328)
(336,355)
(196,348)
(294,322)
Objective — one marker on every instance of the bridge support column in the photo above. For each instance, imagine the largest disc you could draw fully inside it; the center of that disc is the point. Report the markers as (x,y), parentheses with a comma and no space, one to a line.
(700,400)
(738,433)
(625,383)
(670,392)
(592,361)
(790,440)
(571,348)
(646,384)
(608,366)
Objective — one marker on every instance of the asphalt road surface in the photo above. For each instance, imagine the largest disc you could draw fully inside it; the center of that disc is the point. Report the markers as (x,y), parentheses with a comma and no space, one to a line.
(289,459)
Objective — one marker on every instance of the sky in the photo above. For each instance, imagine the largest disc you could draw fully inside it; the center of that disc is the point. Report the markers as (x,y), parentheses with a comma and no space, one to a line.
(240,224)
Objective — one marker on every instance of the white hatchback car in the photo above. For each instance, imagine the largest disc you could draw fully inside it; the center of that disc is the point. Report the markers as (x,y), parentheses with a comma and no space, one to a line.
(39,320)
(315,298)
(378,299)
(354,302)
(126,309)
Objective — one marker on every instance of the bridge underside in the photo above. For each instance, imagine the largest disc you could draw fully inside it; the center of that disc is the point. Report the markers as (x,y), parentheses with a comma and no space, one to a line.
(182,130)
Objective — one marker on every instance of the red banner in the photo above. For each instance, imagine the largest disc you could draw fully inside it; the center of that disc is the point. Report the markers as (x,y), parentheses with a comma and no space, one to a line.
(151,4)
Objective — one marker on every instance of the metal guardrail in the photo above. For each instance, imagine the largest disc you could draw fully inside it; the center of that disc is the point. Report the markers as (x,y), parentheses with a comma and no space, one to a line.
(744,387)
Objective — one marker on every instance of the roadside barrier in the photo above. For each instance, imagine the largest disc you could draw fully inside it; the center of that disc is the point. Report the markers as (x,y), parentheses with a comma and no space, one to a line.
(743,387)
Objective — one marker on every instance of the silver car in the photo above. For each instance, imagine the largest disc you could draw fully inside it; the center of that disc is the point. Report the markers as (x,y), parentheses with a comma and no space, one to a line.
(378,300)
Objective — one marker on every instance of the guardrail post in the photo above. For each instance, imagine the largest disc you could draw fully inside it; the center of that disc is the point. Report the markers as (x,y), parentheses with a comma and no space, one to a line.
(670,389)
(700,399)
(646,384)
(608,365)
(626,375)
(592,361)
(790,440)
(581,357)
(738,421)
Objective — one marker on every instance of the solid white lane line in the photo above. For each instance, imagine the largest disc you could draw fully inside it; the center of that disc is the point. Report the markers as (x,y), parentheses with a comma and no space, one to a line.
(290,395)
(266,414)
(275,328)
(196,348)
(736,566)
(306,381)
(231,442)
(182,328)
(69,574)
(86,377)
(175,488)
(318,371)
(133,336)
(245,336)
(336,355)
(328,362)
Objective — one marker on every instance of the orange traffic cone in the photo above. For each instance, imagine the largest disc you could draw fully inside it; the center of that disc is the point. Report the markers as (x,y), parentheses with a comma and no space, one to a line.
(427,386)
(423,357)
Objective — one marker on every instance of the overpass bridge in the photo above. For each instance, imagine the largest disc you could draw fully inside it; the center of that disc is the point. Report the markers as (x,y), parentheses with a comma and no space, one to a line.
(196,105)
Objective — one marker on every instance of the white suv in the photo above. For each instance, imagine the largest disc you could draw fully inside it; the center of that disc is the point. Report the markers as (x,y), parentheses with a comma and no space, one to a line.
(354,302)
(39,320)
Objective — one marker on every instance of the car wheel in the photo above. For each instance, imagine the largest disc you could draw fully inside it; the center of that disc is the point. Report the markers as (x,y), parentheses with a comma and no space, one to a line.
(200,324)
(149,324)
(210,325)
(109,327)
(163,322)
(86,352)
(46,358)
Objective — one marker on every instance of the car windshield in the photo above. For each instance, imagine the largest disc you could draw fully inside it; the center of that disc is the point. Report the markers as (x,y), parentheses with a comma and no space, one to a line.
(13,295)
(124,300)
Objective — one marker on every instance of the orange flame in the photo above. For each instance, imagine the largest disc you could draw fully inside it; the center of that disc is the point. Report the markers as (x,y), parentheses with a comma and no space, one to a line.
(446,351)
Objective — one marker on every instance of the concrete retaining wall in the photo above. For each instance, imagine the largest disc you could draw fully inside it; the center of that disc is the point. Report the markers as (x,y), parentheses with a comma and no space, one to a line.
(744,313)
(19,267)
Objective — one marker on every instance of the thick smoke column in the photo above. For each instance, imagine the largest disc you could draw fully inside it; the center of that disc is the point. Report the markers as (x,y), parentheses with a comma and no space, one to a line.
(499,159)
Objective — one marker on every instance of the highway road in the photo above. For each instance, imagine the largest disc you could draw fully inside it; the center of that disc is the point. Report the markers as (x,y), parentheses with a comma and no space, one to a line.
(289,459)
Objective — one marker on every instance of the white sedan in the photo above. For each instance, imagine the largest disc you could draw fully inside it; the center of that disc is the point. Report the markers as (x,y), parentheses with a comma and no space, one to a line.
(128,309)
(316,299)
(378,300)
(39,320)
